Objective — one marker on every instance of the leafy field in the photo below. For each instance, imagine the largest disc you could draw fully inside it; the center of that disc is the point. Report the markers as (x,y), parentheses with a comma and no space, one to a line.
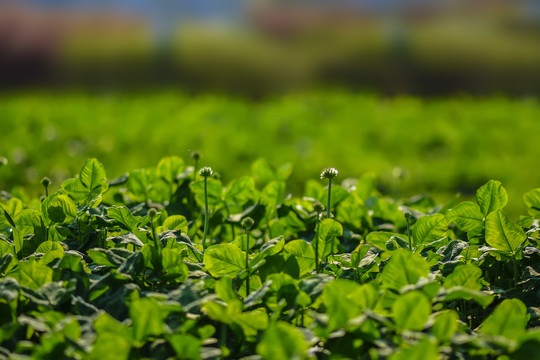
(443,146)
(168,262)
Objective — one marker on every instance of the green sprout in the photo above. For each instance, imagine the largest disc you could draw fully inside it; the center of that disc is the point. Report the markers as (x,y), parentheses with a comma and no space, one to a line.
(205,172)
(329,173)
(247,223)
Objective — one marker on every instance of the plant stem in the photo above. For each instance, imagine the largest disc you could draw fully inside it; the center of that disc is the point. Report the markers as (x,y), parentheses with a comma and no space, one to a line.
(205,213)
(516,271)
(317,248)
(329,194)
(409,233)
(247,262)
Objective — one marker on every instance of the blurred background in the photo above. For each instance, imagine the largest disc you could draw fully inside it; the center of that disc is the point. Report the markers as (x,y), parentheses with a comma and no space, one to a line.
(257,47)
(433,95)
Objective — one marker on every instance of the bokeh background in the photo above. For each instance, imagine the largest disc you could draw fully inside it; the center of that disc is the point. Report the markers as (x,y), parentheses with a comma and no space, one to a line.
(433,96)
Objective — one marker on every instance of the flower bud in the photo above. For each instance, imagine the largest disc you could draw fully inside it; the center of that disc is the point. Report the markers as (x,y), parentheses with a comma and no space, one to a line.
(152,213)
(206,171)
(247,223)
(46,181)
(329,173)
(318,207)
(195,155)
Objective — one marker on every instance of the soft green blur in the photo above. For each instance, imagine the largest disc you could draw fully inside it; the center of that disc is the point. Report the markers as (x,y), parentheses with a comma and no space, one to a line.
(439,146)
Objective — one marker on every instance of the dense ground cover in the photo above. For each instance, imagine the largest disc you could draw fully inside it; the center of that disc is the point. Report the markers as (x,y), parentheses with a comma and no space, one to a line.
(164,263)
(445,145)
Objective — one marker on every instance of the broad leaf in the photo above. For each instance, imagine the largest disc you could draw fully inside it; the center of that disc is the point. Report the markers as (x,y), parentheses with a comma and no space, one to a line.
(491,197)
(282,341)
(467,216)
(532,200)
(404,268)
(508,319)
(411,311)
(224,260)
(503,234)
(428,229)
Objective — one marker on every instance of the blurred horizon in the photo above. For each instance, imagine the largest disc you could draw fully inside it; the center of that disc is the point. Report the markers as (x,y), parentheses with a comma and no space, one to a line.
(256,48)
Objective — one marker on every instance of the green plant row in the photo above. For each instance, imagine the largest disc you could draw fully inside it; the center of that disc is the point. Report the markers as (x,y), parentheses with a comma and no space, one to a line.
(169,262)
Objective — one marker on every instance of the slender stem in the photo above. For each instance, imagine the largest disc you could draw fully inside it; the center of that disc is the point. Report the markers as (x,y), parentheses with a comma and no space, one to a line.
(409,233)
(516,271)
(157,261)
(329,194)
(317,248)
(46,191)
(247,262)
(205,213)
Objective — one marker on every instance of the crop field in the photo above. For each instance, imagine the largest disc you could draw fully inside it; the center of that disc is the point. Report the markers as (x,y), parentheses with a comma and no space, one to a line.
(441,147)
(172,261)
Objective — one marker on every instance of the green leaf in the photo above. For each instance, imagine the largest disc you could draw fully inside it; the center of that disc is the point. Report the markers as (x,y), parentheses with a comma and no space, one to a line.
(462,293)
(147,316)
(123,216)
(62,209)
(9,219)
(532,200)
(380,238)
(113,338)
(94,178)
(329,231)
(467,216)
(75,190)
(509,319)
(467,275)
(428,229)
(411,311)
(33,275)
(240,191)
(262,171)
(169,167)
(445,325)
(404,268)
(424,350)
(336,297)
(224,260)
(185,346)
(214,190)
(176,222)
(502,234)
(304,253)
(491,197)
(282,341)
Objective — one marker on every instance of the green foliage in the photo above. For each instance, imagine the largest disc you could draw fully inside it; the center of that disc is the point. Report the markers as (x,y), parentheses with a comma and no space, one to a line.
(105,270)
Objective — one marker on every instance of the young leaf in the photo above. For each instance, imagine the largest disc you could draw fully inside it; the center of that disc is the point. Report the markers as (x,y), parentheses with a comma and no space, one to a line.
(94,178)
(532,200)
(467,216)
(169,167)
(282,341)
(445,324)
(491,197)
(404,268)
(304,253)
(503,234)
(467,275)
(428,229)
(224,260)
(411,311)
(508,319)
